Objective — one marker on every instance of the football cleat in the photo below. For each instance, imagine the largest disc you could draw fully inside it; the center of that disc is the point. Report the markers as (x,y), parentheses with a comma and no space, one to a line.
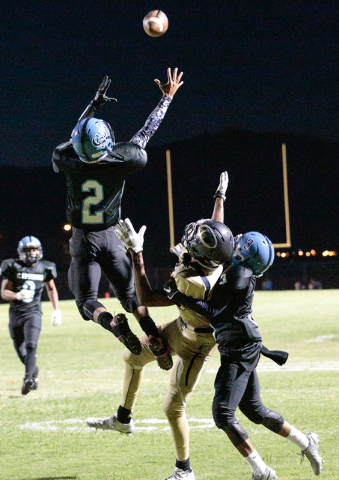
(120,328)
(111,423)
(312,453)
(268,474)
(161,352)
(27,386)
(179,474)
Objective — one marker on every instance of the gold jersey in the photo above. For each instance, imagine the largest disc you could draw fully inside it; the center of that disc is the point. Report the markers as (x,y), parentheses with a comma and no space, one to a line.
(200,287)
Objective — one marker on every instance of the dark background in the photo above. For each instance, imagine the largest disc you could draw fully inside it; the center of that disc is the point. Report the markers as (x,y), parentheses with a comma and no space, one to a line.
(257,74)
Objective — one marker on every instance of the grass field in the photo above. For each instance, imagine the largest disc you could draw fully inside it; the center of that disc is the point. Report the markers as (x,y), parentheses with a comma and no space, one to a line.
(44,435)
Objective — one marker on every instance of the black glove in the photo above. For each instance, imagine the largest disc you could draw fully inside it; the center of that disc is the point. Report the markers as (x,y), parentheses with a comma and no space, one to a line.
(100,97)
(170,288)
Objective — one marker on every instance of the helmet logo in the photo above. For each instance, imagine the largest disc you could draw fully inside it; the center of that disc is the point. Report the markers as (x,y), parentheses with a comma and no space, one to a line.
(247,245)
(99,140)
(207,236)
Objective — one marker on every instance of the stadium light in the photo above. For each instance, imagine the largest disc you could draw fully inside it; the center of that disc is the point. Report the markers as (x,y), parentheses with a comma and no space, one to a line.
(67,227)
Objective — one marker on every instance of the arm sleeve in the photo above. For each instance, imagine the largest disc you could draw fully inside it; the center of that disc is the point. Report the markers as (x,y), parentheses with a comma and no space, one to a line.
(199,306)
(51,272)
(142,137)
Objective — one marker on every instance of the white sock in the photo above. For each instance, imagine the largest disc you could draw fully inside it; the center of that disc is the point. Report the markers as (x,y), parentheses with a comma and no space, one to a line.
(298,438)
(256,462)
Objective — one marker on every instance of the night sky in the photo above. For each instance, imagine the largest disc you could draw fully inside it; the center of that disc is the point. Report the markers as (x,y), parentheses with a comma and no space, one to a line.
(256,66)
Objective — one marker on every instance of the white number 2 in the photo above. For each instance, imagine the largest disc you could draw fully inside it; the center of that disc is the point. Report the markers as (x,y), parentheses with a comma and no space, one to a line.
(97,191)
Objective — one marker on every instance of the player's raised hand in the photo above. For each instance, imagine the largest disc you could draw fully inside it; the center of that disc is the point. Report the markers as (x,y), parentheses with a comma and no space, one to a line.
(222,187)
(101,97)
(124,230)
(173,83)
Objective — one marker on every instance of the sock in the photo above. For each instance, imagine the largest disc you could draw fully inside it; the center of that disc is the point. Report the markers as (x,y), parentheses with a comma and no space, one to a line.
(184,465)
(104,319)
(298,438)
(30,362)
(148,326)
(256,462)
(124,415)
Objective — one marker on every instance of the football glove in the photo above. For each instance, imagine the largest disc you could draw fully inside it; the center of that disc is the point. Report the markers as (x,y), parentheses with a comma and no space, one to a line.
(124,230)
(100,97)
(25,295)
(178,250)
(170,288)
(56,317)
(223,184)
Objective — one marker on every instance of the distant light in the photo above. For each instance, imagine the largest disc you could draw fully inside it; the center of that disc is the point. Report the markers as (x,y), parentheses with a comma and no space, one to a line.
(67,227)
(313,252)
(308,254)
(325,253)
(278,254)
(285,254)
(300,253)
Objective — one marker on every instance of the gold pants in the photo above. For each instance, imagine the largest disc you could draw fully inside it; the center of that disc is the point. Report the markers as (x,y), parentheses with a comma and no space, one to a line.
(193,350)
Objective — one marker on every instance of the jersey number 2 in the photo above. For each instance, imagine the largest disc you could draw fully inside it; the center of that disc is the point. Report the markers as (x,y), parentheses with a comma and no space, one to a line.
(97,191)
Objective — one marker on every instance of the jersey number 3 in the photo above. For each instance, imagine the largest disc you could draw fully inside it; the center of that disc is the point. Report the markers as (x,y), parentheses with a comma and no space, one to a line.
(97,194)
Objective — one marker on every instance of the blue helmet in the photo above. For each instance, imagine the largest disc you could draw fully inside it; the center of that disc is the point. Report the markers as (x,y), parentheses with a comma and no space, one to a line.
(254,251)
(92,139)
(25,247)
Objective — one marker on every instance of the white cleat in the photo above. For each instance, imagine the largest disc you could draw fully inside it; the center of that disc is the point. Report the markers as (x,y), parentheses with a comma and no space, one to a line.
(111,423)
(312,453)
(179,474)
(269,474)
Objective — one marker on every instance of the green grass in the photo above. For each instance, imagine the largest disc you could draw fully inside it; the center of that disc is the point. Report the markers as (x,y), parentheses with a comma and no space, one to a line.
(44,436)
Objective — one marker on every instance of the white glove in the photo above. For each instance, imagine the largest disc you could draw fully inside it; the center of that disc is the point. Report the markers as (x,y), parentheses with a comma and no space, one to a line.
(129,237)
(56,317)
(178,250)
(223,184)
(25,295)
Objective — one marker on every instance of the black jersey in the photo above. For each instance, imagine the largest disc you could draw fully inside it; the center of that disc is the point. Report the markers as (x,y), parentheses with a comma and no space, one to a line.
(32,277)
(230,307)
(94,190)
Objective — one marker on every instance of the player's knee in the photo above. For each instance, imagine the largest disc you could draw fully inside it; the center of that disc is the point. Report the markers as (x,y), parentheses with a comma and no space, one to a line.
(235,432)
(87,307)
(130,304)
(31,346)
(255,414)
(273,421)
(222,414)
(173,407)
(136,362)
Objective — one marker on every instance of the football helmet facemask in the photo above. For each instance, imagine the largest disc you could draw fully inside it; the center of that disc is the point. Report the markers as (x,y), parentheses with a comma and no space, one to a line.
(30,250)
(255,251)
(92,139)
(209,242)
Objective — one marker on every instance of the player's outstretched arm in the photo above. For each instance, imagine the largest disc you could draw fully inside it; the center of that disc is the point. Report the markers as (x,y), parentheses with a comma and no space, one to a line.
(134,242)
(220,197)
(99,99)
(153,121)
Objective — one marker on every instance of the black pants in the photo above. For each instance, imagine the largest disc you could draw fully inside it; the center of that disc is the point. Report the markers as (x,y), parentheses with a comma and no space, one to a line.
(92,252)
(24,330)
(237,384)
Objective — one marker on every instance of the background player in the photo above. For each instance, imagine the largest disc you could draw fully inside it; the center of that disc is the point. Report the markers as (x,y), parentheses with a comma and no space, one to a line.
(23,283)
(189,336)
(95,170)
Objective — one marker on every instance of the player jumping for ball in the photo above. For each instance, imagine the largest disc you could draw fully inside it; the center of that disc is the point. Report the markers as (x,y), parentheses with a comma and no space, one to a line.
(95,170)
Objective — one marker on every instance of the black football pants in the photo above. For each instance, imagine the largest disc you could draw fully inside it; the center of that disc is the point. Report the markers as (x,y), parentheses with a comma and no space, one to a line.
(92,252)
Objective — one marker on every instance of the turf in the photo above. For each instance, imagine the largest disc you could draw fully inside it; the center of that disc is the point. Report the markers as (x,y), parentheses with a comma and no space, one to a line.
(44,435)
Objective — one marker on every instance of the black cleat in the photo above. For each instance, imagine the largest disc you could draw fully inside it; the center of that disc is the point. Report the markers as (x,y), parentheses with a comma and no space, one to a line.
(161,352)
(27,386)
(120,328)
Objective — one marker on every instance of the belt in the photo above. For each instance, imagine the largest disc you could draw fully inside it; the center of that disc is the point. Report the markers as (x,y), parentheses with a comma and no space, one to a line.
(197,330)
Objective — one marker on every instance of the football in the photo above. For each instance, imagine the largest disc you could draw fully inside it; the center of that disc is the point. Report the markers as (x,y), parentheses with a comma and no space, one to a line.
(155,23)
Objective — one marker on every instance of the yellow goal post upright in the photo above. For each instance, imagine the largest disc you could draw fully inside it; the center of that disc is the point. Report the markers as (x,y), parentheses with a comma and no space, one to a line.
(170,197)
(287,244)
